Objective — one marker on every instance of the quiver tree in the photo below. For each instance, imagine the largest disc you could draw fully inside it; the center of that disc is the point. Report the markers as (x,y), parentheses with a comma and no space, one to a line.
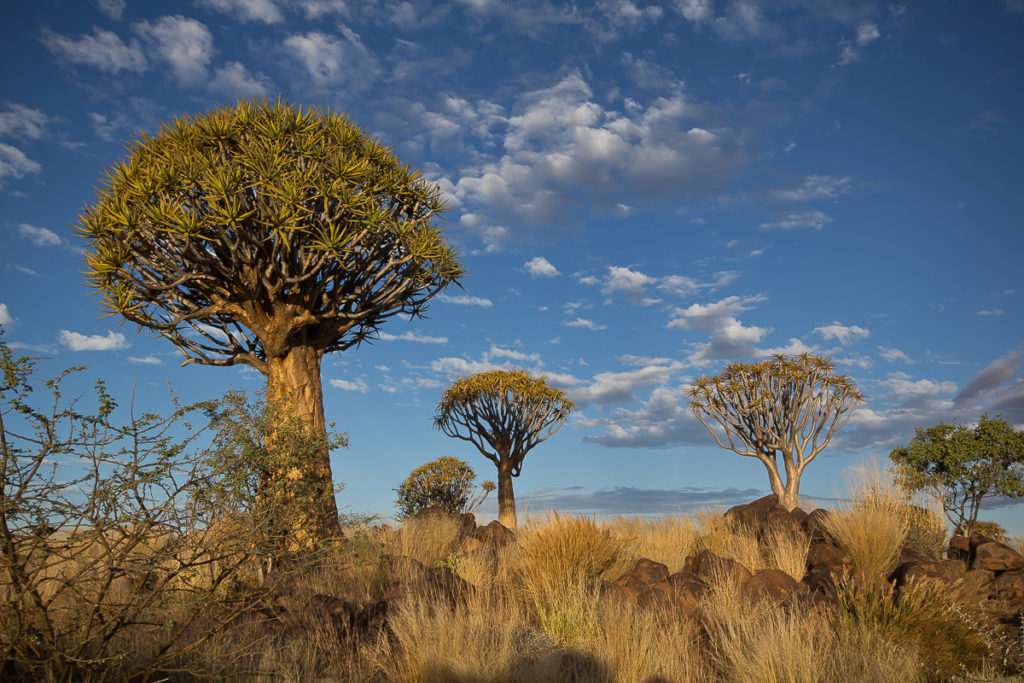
(786,405)
(445,483)
(504,413)
(963,465)
(267,235)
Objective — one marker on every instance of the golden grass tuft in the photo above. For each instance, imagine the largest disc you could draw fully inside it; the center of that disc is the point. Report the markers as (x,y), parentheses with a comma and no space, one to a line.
(872,538)
(669,539)
(569,549)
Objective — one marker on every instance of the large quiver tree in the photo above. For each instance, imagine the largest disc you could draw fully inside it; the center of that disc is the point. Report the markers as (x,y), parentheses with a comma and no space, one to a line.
(267,235)
(788,406)
(504,413)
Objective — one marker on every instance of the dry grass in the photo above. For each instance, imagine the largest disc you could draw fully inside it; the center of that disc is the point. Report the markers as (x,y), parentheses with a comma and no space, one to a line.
(669,539)
(569,549)
(787,551)
(872,538)
(728,538)
(429,539)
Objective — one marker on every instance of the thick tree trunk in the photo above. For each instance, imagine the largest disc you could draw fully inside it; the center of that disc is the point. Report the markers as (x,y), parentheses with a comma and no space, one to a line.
(294,392)
(506,498)
(788,492)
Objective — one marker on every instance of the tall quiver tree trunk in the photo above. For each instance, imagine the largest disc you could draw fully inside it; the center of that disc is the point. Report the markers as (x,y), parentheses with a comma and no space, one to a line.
(506,496)
(301,469)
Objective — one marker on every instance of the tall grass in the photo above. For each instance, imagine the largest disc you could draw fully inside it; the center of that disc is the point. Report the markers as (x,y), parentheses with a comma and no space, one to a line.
(667,539)
(872,538)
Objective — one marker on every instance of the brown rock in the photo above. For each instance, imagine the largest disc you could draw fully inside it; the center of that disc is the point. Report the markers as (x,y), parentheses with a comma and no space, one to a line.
(765,514)
(342,613)
(920,570)
(1008,586)
(822,556)
(959,548)
(911,553)
(710,567)
(773,584)
(680,591)
(644,573)
(618,591)
(996,557)
(814,525)
(495,534)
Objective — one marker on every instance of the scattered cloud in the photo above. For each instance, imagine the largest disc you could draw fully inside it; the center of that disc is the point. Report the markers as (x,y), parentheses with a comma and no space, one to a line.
(234,79)
(986,123)
(814,187)
(412,337)
(185,44)
(146,360)
(19,121)
(103,50)
(632,501)
(585,324)
(843,333)
(998,372)
(346,385)
(15,164)
(992,312)
(799,220)
(730,338)
(867,33)
(892,355)
(112,8)
(246,10)
(41,237)
(5,316)
(615,387)
(539,266)
(112,341)
(334,60)
(464,300)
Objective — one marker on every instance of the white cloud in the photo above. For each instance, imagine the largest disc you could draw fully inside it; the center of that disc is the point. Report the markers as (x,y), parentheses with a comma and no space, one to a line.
(845,334)
(103,50)
(358,385)
(614,387)
(815,187)
(730,338)
(902,387)
(332,60)
(994,311)
(15,164)
(539,266)
(41,237)
(146,360)
(695,10)
(562,148)
(5,316)
(511,354)
(585,324)
(315,9)
(185,44)
(892,355)
(112,341)
(626,282)
(112,8)
(867,33)
(799,220)
(20,121)
(464,300)
(412,337)
(633,285)
(847,56)
(246,10)
(234,79)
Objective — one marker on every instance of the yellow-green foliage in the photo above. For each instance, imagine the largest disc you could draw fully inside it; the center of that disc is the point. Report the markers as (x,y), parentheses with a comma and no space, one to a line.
(446,483)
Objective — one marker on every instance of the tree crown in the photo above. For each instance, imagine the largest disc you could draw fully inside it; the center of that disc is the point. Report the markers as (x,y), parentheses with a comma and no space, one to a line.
(504,413)
(446,483)
(266,217)
(779,403)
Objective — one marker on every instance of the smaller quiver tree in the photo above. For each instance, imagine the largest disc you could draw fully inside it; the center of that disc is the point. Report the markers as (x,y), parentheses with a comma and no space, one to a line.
(786,405)
(504,413)
(963,465)
(445,483)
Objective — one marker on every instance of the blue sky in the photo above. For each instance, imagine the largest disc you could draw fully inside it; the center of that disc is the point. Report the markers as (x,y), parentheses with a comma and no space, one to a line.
(642,191)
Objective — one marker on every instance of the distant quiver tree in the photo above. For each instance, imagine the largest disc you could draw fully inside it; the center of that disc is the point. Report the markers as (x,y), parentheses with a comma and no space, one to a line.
(267,235)
(445,483)
(788,406)
(504,413)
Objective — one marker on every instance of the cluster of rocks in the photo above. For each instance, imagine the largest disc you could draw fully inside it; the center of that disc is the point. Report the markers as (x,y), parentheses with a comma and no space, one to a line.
(405,577)
(992,569)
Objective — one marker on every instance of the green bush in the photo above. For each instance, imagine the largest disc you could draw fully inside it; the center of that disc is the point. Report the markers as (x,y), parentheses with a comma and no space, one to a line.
(445,483)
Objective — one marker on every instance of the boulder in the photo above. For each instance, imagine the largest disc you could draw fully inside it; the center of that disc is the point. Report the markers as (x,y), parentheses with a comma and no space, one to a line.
(773,584)
(765,514)
(472,545)
(959,548)
(920,570)
(823,556)
(814,525)
(644,573)
(343,614)
(680,592)
(495,534)
(996,557)
(710,567)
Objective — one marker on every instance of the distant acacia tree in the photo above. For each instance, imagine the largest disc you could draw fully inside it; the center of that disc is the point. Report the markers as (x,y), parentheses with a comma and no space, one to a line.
(445,483)
(786,405)
(504,413)
(267,235)
(963,465)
